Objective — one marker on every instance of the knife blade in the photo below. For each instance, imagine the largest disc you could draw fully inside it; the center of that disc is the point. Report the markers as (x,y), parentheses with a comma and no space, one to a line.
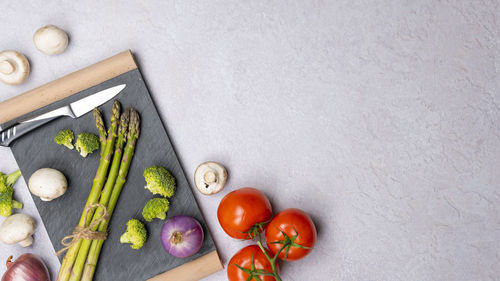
(73,110)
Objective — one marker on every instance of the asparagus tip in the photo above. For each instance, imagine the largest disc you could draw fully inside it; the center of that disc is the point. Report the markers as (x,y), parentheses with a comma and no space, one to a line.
(135,120)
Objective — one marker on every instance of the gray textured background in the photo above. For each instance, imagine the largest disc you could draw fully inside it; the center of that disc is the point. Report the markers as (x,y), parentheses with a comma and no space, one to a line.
(379,118)
(60,216)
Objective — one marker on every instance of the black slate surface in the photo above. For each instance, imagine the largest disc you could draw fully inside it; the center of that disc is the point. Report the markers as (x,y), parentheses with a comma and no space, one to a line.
(117,261)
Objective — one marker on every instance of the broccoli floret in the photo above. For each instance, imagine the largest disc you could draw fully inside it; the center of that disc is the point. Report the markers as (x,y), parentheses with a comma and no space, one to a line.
(65,137)
(6,190)
(156,208)
(7,181)
(87,143)
(159,181)
(136,234)
(7,203)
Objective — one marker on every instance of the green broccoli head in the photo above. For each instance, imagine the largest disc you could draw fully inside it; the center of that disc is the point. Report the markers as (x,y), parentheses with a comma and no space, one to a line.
(136,234)
(87,143)
(156,208)
(159,181)
(7,203)
(65,137)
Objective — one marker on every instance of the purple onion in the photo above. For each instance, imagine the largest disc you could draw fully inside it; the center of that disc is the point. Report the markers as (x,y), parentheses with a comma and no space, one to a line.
(27,267)
(182,236)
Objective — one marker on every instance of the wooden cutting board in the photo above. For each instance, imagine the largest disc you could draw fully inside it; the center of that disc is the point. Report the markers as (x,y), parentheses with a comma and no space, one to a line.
(37,150)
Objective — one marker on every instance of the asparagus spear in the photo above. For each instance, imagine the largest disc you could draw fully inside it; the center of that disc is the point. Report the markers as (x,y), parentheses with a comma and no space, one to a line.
(95,192)
(99,123)
(95,249)
(76,272)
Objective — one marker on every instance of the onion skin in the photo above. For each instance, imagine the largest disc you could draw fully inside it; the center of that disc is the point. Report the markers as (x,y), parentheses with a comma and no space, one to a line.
(27,267)
(182,236)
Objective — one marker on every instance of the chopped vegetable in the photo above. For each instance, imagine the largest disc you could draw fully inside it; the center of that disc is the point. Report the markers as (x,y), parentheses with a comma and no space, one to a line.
(136,234)
(26,267)
(159,181)
(87,143)
(156,208)
(182,236)
(6,191)
(17,228)
(65,137)
(48,184)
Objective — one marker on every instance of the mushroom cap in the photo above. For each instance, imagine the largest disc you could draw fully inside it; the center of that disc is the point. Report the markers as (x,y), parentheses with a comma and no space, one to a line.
(48,184)
(50,40)
(210,177)
(14,67)
(17,228)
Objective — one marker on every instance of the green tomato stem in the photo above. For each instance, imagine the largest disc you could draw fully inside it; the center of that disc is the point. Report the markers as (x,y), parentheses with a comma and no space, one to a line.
(271,260)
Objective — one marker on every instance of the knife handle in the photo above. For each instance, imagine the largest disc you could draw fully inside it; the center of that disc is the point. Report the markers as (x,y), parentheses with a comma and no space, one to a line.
(19,129)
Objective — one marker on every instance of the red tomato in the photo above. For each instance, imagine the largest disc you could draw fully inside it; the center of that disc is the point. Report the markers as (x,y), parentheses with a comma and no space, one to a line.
(293,222)
(243,258)
(242,209)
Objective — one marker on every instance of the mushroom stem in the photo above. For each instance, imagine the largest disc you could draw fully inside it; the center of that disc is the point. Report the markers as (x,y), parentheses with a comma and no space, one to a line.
(9,261)
(6,67)
(210,177)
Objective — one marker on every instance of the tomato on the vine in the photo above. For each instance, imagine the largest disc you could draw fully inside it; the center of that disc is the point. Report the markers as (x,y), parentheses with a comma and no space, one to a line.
(243,258)
(244,212)
(294,230)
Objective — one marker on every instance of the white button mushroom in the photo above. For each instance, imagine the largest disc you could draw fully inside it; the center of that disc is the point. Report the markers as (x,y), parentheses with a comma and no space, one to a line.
(48,184)
(17,228)
(210,177)
(50,40)
(14,67)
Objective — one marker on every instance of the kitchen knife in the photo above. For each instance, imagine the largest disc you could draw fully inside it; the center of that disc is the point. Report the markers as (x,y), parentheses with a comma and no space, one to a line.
(73,110)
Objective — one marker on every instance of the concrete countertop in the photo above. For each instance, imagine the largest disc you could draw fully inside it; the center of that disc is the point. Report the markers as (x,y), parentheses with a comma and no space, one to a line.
(381,119)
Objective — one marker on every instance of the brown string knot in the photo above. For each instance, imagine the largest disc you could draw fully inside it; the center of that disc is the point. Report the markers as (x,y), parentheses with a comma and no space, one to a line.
(86,232)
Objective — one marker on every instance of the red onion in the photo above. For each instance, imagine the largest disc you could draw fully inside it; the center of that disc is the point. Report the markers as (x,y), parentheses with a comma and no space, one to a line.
(27,267)
(182,236)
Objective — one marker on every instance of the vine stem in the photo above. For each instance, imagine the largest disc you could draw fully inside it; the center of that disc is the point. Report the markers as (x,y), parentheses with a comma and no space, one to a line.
(271,260)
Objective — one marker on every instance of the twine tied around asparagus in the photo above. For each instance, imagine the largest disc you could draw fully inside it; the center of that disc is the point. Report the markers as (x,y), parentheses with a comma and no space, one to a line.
(86,232)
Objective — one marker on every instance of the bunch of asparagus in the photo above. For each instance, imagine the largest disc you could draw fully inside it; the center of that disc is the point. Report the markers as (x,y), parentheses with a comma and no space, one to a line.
(117,150)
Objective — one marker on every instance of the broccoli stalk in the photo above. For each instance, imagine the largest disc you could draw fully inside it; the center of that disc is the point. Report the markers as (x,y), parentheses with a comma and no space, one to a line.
(128,153)
(136,234)
(156,208)
(65,137)
(95,192)
(159,181)
(6,191)
(87,143)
